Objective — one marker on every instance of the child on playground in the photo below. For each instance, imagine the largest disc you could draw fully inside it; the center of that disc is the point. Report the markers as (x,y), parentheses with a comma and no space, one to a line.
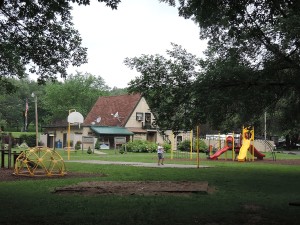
(160,154)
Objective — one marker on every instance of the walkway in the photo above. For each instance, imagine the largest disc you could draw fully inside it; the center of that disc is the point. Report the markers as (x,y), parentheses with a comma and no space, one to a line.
(138,164)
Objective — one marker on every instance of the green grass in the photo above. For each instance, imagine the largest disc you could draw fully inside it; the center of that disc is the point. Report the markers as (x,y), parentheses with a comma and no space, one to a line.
(246,193)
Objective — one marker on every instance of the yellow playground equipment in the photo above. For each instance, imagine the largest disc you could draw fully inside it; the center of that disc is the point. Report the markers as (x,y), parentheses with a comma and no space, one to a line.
(248,140)
(40,161)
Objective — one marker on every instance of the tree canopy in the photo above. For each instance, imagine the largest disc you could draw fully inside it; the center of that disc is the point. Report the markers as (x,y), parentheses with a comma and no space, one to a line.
(252,61)
(38,37)
(79,91)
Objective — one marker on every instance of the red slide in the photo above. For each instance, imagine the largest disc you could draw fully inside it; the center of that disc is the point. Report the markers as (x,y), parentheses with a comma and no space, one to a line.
(257,153)
(219,152)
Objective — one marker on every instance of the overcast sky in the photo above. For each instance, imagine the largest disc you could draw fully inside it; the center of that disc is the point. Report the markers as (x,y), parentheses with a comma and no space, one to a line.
(137,27)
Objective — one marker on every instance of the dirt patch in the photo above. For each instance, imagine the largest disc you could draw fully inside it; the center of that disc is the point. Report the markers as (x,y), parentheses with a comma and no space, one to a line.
(135,188)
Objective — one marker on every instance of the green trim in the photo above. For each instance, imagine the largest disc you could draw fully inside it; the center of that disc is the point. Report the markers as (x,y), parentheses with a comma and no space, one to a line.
(111,130)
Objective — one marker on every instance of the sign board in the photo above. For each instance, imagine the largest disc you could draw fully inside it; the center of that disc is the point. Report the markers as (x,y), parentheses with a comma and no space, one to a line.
(87,140)
(120,140)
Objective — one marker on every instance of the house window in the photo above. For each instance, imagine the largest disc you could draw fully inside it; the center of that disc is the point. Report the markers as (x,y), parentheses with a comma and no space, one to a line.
(148,119)
(179,140)
(139,116)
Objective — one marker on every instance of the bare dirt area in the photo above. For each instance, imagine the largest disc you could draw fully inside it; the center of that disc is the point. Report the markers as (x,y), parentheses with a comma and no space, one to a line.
(135,188)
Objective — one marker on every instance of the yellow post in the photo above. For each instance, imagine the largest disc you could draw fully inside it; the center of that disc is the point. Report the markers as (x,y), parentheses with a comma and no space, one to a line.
(252,138)
(191,145)
(69,134)
(172,144)
(198,157)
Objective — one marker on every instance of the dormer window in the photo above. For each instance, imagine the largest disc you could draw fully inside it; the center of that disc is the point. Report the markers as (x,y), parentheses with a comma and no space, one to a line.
(139,116)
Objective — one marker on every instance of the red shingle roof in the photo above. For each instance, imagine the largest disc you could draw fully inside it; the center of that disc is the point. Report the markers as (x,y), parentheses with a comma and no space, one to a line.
(107,106)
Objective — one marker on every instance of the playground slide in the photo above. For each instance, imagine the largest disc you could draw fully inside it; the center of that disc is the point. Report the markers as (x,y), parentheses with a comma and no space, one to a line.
(219,152)
(243,151)
(245,147)
(257,153)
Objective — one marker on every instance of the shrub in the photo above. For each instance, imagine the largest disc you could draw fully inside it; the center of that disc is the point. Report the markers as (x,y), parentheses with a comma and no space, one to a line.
(186,146)
(78,145)
(97,144)
(202,146)
(139,146)
(167,147)
(29,139)
(89,151)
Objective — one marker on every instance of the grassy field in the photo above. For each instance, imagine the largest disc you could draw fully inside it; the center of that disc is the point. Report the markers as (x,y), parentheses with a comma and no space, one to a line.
(244,193)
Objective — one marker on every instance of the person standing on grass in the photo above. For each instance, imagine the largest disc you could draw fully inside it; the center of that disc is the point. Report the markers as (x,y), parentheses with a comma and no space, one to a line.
(160,154)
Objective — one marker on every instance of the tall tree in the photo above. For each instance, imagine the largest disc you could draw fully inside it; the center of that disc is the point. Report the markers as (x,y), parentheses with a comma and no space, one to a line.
(79,92)
(167,84)
(252,60)
(39,36)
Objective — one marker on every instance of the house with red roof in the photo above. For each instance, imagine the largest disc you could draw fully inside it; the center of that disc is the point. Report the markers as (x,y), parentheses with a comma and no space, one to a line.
(114,119)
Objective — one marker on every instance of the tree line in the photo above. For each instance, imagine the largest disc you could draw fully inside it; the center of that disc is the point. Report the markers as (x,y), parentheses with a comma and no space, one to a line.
(78,91)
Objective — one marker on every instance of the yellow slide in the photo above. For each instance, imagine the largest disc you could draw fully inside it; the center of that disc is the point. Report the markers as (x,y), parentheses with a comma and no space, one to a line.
(243,151)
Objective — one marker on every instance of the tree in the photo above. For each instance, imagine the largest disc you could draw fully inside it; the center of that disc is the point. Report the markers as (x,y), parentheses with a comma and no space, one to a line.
(252,60)
(39,36)
(259,36)
(12,105)
(79,92)
(167,84)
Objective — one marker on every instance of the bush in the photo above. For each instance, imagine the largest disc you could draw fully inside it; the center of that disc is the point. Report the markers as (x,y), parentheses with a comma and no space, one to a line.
(78,145)
(140,146)
(97,145)
(89,151)
(167,147)
(29,139)
(186,146)
(202,146)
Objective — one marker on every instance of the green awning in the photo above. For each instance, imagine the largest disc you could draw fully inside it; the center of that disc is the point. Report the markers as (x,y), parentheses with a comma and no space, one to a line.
(111,130)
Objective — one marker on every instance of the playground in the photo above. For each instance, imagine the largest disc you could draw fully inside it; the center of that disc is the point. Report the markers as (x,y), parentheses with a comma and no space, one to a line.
(242,148)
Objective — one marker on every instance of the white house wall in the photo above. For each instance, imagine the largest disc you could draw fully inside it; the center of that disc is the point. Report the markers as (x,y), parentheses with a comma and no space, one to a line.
(142,107)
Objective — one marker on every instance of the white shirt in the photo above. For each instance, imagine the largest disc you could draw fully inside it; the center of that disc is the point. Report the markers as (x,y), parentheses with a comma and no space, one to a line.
(160,149)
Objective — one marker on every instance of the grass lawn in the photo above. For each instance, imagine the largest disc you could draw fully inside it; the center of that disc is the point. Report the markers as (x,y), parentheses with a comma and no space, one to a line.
(245,193)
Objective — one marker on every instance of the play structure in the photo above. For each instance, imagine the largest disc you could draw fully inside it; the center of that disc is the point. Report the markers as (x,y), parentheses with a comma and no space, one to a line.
(242,148)
(40,161)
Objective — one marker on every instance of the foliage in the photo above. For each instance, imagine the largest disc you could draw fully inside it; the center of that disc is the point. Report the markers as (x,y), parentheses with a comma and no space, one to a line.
(30,139)
(167,147)
(79,92)
(39,36)
(97,144)
(186,145)
(167,86)
(89,151)
(78,145)
(140,146)
(202,146)
(252,57)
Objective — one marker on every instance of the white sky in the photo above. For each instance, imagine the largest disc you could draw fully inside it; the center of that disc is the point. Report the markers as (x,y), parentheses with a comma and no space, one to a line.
(137,27)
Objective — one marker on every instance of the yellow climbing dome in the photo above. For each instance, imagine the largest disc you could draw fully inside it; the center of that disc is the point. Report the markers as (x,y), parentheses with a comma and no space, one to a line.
(40,161)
